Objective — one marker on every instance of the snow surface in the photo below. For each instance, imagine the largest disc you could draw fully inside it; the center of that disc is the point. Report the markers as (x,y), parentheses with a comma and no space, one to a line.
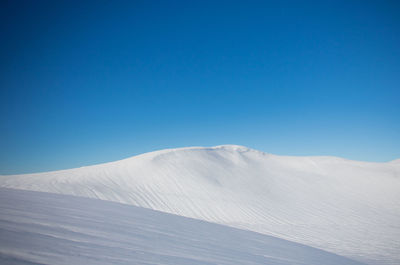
(347,207)
(44,228)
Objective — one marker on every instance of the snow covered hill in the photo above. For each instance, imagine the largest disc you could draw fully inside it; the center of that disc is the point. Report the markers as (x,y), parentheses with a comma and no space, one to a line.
(347,207)
(44,228)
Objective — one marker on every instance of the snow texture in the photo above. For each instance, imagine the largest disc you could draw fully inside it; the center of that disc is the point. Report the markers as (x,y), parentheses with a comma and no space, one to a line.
(347,207)
(44,228)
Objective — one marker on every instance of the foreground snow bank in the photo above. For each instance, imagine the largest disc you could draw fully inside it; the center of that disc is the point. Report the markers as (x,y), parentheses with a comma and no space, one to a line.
(347,207)
(44,228)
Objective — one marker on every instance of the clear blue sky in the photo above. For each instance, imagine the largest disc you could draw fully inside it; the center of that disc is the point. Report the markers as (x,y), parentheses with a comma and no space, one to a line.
(85,82)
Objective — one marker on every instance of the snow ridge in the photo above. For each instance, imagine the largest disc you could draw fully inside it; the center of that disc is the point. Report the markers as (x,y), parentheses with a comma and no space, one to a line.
(348,207)
(44,228)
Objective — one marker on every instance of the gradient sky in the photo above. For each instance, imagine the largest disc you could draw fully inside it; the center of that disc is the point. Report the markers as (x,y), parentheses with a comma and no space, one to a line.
(85,82)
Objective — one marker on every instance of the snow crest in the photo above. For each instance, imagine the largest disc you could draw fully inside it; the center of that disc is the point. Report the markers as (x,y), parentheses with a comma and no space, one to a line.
(43,228)
(348,207)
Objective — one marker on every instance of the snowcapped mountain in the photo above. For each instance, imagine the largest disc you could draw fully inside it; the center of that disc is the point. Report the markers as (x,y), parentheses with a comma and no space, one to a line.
(347,207)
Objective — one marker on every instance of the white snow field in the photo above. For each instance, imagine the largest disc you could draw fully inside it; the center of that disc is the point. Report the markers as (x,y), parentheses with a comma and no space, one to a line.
(45,228)
(350,208)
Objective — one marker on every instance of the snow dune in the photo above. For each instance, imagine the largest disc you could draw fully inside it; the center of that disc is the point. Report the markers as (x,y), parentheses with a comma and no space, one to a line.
(347,207)
(44,228)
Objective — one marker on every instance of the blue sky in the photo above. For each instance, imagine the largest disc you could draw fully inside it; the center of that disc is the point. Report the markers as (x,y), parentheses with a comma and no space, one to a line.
(98,81)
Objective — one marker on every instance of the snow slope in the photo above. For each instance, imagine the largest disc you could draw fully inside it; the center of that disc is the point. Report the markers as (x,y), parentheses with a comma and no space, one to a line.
(347,207)
(44,228)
